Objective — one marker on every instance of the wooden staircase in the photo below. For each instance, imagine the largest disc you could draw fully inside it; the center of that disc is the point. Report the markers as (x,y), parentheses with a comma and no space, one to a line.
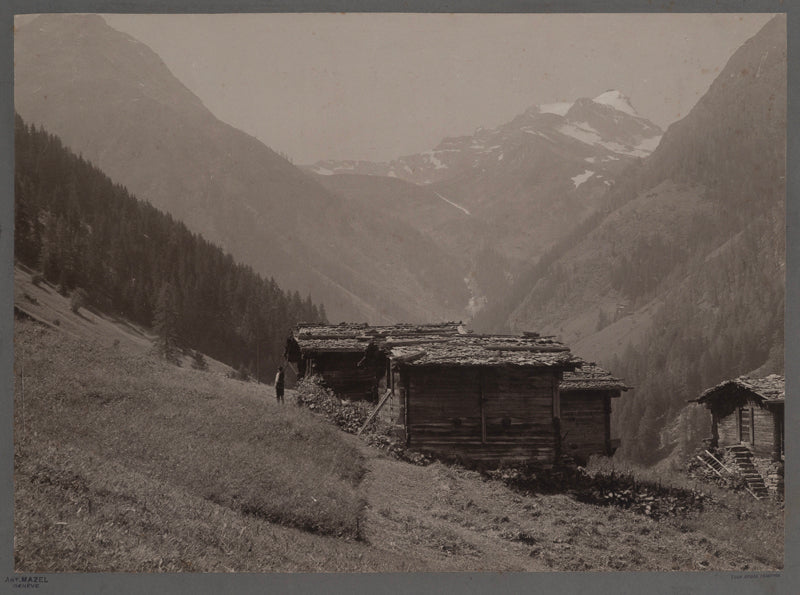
(745,467)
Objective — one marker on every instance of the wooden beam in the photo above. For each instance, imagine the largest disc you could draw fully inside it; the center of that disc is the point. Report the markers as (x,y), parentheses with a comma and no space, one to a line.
(372,415)
(533,348)
(483,412)
(777,434)
(556,399)
(404,359)
(607,423)
(405,381)
(332,337)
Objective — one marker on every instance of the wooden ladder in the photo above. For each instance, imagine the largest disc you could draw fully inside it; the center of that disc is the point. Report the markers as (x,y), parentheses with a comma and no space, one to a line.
(718,467)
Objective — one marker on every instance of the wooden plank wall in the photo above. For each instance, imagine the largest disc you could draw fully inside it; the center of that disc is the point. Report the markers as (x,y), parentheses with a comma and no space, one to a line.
(583,423)
(728,429)
(514,422)
(763,429)
(341,374)
(779,432)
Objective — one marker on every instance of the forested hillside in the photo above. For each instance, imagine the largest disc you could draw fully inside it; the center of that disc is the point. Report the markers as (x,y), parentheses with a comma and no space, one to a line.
(123,109)
(681,283)
(90,237)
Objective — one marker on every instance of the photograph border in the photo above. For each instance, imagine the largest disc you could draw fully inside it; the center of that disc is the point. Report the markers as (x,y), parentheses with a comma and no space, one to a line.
(595,582)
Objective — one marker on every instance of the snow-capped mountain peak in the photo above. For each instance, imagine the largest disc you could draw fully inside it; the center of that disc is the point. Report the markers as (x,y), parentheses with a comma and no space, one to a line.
(606,129)
(617,100)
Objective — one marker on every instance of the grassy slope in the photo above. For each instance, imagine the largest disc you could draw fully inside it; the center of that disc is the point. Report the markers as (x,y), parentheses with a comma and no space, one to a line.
(44,302)
(125,463)
(198,437)
(457,518)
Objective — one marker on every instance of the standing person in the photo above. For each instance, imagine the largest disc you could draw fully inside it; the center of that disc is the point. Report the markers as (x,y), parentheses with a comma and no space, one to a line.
(279,384)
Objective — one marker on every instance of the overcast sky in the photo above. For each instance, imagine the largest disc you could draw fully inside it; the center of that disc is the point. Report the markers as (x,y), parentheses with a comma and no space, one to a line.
(378,86)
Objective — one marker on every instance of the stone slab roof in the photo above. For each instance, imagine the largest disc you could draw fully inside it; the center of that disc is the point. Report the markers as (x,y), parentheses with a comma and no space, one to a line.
(590,376)
(770,388)
(356,336)
(487,350)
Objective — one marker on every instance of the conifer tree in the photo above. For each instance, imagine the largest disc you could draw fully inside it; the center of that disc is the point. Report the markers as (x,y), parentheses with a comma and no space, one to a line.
(165,324)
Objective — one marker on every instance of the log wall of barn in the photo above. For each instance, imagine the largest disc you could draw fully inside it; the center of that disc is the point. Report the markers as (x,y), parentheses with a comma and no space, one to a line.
(760,439)
(340,372)
(585,423)
(764,428)
(488,414)
(728,430)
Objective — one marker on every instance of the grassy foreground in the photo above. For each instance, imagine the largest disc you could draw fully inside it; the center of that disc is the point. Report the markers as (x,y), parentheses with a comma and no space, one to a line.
(152,459)
(124,463)
(755,526)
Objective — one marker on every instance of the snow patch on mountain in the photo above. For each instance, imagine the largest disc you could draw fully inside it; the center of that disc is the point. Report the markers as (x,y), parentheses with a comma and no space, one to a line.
(560,109)
(649,145)
(581,131)
(585,133)
(535,132)
(456,205)
(616,100)
(431,157)
(581,178)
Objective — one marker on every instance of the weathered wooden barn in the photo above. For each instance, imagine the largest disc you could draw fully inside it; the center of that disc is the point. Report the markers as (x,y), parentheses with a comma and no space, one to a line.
(483,398)
(586,395)
(346,356)
(748,412)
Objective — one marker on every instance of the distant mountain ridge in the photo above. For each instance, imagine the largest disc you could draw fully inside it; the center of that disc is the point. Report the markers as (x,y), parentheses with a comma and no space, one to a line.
(496,200)
(113,100)
(607,123)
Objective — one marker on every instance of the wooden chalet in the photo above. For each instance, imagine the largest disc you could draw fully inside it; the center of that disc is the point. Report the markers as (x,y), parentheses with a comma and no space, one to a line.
(483,398)
(346,355)
(586,395)
(748,412)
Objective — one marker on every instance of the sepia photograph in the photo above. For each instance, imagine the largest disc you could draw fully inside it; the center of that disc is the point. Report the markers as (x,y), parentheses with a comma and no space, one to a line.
(378,292)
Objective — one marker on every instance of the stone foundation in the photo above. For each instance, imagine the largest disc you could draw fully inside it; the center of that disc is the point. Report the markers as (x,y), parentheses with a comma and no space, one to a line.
(772,472)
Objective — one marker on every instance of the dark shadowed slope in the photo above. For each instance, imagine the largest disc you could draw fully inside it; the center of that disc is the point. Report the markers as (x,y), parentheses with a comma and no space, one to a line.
(112,99)
(682,284)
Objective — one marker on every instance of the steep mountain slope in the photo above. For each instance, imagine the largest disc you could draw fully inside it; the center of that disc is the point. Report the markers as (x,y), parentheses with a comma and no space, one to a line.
(682,284)
(464,238)
(112,99)
(120,255)
(546,170)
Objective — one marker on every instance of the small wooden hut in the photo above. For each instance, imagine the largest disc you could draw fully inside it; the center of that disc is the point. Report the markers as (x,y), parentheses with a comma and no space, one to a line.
(483,398)
(586,395)
(346,356)
(748,412)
